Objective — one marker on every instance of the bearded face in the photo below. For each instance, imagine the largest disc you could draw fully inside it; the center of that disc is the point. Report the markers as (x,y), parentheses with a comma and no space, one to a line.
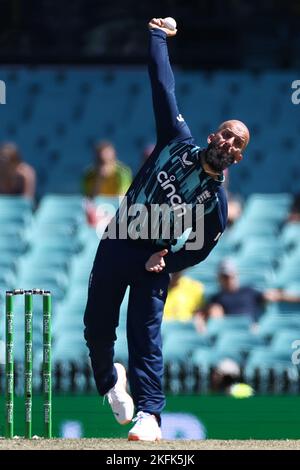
(217,158)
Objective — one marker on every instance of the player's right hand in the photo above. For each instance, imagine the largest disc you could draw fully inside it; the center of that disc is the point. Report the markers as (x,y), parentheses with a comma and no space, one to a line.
(159,24)
(156,262)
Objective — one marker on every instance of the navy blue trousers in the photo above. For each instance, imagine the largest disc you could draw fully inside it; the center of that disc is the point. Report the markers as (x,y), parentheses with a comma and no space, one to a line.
(118,264)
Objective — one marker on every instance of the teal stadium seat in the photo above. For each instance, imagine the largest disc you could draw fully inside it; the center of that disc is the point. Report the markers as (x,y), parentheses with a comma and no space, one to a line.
(69,312)
(89,237)
(16,245)
(244,229)
(294,289)
(287,308)
(43,260)
(240,341)
(51,230)
(123,312)
(290,236)
(272,364)
(257,247)
(265,360)
(287,274)
(258,275)
(206,358)
(69,348)
(72,202)
(15,203)
(269,324)
(15,215)
(267,208)
(56,282)
(217,326)
(282,342)
(8,261)
(61,209)
(121,349)
(81,269)
(232,344)
(7,277)
(170,327)
(108,201)
(57,244)
(178,346)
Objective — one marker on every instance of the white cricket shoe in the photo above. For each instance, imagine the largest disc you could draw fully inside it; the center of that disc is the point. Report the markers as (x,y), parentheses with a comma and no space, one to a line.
(145,429)
(120,401)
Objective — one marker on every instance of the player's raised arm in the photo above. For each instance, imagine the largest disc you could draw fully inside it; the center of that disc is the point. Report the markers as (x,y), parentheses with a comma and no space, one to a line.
(170,125)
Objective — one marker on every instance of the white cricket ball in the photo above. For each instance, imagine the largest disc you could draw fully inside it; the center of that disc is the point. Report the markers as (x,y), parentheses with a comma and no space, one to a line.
(170,23)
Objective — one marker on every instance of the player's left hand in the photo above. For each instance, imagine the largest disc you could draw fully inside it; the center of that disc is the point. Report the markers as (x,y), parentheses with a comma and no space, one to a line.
(156,262)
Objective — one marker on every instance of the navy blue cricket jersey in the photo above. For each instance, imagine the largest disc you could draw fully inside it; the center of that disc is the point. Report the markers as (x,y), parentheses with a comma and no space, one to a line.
(173,175)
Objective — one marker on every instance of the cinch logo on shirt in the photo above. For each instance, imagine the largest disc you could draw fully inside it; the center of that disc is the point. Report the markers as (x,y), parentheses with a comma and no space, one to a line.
(203,196)
(166,184)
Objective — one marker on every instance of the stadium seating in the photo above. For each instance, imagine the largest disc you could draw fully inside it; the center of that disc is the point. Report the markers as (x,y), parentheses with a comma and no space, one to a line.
(206,358)
(54,248)
(240,341)
(263,361)
(270,323)
(282,342)
(56,121)
(63,349)
(121,348)
(290,236)
(180,345)
(170,327)
(215,326)
(56,118)
(231,344)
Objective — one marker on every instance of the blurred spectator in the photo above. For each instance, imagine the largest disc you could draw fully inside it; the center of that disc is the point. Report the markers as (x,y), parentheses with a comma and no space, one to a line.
(185,296)
(108,176)
(234,202)
(294,212)
(16,176)
(233,299)
(226,378)
(234,209)
(147,152)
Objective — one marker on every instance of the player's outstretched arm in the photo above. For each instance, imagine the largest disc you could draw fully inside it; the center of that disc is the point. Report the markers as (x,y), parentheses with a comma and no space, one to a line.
(169,125)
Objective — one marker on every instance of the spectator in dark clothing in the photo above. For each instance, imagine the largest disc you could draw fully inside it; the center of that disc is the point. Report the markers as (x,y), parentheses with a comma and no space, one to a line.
(233,299)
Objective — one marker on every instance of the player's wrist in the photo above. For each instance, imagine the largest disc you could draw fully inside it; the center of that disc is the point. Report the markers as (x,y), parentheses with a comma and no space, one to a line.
(158,32)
